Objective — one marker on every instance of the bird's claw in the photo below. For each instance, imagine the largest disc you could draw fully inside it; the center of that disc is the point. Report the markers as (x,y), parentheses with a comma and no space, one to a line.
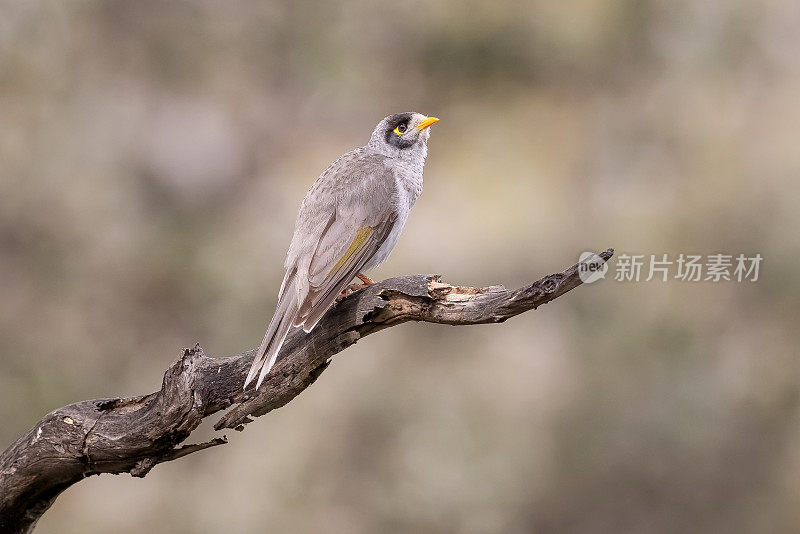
(349,290)
(366,279)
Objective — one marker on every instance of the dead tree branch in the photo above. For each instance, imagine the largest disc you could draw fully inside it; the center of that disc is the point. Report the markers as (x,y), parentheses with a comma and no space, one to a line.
(134,434)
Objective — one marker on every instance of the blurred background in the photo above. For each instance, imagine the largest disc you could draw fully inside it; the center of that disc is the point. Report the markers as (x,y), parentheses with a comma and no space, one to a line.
(152,159)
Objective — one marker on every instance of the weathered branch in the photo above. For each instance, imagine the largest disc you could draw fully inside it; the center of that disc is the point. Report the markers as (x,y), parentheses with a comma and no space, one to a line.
(134,434)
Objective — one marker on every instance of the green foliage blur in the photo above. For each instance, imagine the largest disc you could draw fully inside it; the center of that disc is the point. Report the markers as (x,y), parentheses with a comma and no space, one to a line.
(152,159)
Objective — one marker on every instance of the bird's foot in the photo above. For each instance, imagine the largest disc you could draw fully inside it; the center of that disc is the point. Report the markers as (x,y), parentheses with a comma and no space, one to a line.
(366,279)
(349,290)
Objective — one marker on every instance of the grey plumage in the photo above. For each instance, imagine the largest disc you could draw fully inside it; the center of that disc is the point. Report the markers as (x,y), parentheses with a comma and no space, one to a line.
(349,222)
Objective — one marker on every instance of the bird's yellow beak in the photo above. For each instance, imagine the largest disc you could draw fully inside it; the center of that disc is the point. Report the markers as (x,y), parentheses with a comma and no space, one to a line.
(427,122)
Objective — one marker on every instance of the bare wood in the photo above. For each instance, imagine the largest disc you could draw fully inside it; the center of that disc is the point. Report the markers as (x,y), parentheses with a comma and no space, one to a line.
(132,435)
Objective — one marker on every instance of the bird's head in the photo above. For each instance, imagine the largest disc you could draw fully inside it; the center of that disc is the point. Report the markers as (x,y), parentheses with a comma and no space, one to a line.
(401,134)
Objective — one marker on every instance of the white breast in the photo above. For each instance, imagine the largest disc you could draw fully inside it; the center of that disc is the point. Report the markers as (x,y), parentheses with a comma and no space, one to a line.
(409,187)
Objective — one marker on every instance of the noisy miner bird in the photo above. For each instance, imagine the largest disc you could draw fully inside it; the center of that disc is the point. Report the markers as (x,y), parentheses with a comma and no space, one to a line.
(349,222)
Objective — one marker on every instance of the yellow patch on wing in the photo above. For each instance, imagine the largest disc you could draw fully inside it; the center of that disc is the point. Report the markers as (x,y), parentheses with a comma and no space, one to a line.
(361,236)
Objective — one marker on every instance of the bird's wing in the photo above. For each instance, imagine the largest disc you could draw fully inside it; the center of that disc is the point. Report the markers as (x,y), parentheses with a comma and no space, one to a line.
(343,220)
(347,244)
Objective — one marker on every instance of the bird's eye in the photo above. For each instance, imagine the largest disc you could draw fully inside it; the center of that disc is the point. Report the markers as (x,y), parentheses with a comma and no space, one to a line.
(400,130)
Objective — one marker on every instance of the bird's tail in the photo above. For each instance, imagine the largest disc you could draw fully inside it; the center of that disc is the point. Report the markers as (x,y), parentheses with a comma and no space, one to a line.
(276,333)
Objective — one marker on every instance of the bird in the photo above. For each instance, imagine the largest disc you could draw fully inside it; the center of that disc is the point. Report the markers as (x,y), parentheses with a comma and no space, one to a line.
(348,223)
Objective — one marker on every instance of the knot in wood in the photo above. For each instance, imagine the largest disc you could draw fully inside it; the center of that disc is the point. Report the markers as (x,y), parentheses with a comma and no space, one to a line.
(550,284)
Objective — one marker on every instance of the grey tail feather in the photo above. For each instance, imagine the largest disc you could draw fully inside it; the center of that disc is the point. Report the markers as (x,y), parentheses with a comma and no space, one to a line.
(273,339)
(313,318)
(324,302)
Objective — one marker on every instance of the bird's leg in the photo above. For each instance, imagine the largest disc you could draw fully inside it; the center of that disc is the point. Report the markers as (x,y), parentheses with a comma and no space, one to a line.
(366,279)
(352,288)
